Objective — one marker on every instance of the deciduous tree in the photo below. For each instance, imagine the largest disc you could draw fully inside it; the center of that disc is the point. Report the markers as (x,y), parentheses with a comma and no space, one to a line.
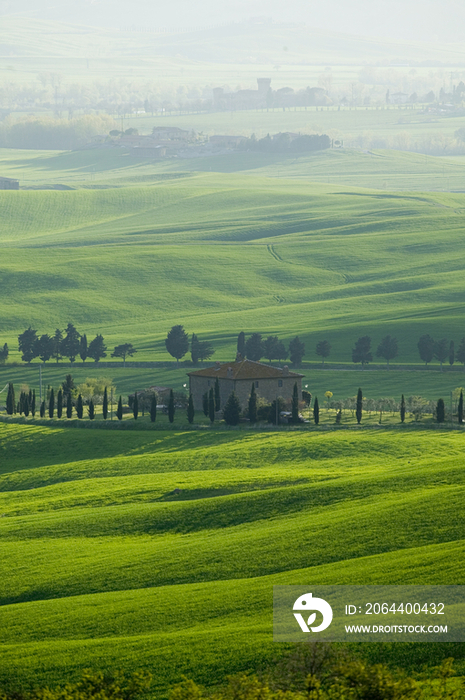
(387,349)
(97,348)
(124,350)
(426,348)
(323,349)
(254,347)
(44,347)
(451,353)
(296,351)
(27,344)
(70,343)
(177,342)
(361,351)
(441,350)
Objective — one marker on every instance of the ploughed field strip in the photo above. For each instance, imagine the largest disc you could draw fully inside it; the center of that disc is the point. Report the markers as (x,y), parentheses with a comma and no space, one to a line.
(135,548)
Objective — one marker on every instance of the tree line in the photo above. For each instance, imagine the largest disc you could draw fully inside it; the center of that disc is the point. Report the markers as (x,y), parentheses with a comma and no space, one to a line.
(68,343)
(71,344)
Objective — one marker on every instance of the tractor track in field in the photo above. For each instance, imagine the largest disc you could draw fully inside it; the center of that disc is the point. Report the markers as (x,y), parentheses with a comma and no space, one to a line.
(273,252)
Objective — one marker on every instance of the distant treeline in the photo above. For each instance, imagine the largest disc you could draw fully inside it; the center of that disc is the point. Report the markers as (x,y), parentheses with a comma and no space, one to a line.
(72,344)
(47,133)
(285,142)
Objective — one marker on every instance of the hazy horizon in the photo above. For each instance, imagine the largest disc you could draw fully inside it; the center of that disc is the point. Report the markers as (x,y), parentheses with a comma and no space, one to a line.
(409,20)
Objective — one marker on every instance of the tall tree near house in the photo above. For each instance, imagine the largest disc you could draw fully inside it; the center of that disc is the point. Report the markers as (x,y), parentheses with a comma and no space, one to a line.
(57,341)
(194,349)
(253,405)
(211,405)
(60,403)
(241,343)
(426,348)
(232,410)
(359,406)
(295,405)
(361,351)
(135,406)
(124,350)
(4,352)
(316,411)
(42,409)
(91,409)
(44,347)
(460,354)
(460,408)
(205,403)
(51,404)
(254,347)
(69,406)
(10,400)
(26,405)
(119,410)
(323,349)
(451,353)
(153,408)
(70,343)
(171,407)
(441,350)
(97,348)
(190,409)
(105,404)
(217,395)
(402,409)
(79,406)
(440,411)
(270,347)
(33,403)
(27,344)
(296,351)
(177,342)
(388,349)
(83,347)
(68,385)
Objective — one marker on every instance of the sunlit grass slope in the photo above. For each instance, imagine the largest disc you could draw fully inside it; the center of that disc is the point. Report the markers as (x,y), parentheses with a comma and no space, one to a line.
(224,253)
(106,566)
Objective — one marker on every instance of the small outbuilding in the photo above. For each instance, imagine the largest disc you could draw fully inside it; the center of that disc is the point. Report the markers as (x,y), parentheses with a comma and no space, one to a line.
(8,183)
(238,376)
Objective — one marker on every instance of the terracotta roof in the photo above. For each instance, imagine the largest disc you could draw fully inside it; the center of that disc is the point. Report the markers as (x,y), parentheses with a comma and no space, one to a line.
(245,369)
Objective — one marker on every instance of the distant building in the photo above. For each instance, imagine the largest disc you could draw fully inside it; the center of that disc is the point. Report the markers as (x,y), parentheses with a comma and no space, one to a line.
(238,376)
(8,183)
(170,133)
(225,140)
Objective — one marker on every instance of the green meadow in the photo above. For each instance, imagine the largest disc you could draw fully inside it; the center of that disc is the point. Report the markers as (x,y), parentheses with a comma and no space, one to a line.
(221,252)
(108,567)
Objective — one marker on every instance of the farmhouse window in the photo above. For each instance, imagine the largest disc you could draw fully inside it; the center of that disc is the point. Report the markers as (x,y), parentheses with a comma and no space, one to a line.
(256,385)
(280,382)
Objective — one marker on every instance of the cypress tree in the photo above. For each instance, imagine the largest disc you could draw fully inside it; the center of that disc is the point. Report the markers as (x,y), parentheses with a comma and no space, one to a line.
(135,406)
(440,411)
(119,410)
(295,404)
(26,404)
(241,344)
(253,405)
(153,408)
(217,395)
(91,409)
(10,400)
(33,403)
(232,410)
(51,404)
(402,409)
(21,403)
(190,409)
(451,353)
(211,406)
(460,408)
(171,407)
(83,347)
(316,411)
(69,406)
(358,409)
(42,409)
(79,406)
(105,404)
(60,403)
(205,403)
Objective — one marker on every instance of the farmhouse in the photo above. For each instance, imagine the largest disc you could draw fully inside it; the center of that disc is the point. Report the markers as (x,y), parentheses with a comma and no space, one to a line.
(238,376)
(7,183)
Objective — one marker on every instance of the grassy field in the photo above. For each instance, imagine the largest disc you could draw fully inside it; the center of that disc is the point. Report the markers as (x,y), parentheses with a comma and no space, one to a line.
(225,252)
(107,567)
